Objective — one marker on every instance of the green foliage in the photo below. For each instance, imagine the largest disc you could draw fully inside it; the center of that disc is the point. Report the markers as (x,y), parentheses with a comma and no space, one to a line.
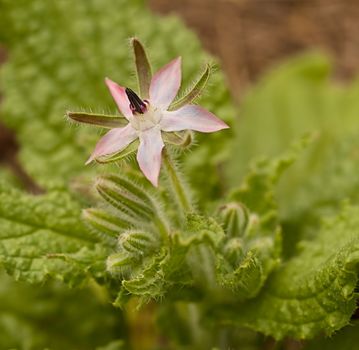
(314,290)
(346,339)
(48,316)
(293,99)
(41,236)
(197,255)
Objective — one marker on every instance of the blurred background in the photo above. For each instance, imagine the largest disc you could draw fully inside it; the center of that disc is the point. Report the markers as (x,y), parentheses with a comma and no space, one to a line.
(249,36)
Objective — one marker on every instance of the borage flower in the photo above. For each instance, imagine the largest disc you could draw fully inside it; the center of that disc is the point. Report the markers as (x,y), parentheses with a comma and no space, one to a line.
(148,117)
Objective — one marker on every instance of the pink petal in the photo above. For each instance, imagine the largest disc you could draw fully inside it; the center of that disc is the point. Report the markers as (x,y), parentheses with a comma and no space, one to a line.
(149,155)
(114,141)
(165,84)
(191,117)
(119,95)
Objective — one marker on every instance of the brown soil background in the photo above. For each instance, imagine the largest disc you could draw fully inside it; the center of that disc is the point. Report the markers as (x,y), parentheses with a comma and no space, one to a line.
(249,36)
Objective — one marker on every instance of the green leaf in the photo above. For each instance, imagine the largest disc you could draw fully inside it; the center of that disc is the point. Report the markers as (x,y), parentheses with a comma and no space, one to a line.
(251,255)
(26,309)
(179,268)
(43,236)
(312,292)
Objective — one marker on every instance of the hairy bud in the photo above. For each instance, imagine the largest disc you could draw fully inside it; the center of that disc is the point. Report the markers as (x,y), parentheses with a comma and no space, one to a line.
(105,224)
(126,196)
(235,218)
(139,243)
(233,251)
(119,262)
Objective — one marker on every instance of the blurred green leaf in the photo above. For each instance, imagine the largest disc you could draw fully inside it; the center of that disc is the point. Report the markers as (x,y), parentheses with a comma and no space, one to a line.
(295,98)
(346,339)
(51,316)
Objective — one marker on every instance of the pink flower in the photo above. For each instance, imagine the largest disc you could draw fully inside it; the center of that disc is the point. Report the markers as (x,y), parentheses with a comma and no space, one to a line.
(148,118)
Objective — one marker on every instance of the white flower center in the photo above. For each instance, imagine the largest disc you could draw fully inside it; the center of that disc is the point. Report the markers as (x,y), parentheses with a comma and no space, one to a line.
(147,120)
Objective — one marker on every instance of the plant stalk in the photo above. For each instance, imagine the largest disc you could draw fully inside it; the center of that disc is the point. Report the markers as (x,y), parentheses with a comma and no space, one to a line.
(177,184)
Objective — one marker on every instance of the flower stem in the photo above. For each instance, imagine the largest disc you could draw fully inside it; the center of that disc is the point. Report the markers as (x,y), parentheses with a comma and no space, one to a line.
(177,183)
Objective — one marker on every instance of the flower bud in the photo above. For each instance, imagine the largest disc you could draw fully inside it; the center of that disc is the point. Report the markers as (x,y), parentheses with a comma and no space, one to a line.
(119,262)
(233,251)
(235,218)
(105,224)
(126,196)
(138,243)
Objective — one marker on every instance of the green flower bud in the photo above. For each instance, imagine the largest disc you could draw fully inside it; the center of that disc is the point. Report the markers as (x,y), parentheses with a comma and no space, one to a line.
(105,224)
(139,243)
(235,218)
(126,196)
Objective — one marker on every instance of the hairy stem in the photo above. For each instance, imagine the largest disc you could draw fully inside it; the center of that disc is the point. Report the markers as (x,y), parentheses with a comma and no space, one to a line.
(177,184)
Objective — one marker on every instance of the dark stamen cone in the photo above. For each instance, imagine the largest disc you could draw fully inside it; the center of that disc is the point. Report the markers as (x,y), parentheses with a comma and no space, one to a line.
(136,104)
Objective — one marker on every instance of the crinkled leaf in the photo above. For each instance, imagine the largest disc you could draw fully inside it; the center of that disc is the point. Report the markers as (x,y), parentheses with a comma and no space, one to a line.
(178,265)
(43,236)
(259,247)
(313,291)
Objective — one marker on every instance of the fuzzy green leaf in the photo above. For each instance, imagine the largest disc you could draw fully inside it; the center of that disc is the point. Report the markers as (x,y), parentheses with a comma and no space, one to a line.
(314,290)
(43,236)
(256,251)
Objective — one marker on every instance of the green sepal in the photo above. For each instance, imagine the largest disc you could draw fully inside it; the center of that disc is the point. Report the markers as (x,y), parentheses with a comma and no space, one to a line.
(139,243)
(124,154)
(183,139)
(195,90)
(235,219)
(244,280)
(119,262)
(143,68)
(126,196)
(102,120)
(104,224)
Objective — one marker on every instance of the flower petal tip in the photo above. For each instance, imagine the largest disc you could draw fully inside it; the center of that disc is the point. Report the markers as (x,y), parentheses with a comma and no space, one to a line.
(154,182)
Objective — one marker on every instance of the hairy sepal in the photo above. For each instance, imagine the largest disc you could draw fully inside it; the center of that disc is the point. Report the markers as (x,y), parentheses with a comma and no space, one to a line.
(139,243)
(95,119)
(143,68)
(126,153)
(106,225)
(195,91)
(126,196)
(182,139)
